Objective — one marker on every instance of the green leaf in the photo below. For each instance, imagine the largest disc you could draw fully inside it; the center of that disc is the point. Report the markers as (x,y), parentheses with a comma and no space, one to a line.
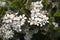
(28,3)
(51,19)
(17,4)
(57,34)
(2,13)
(25,11)
(57,28)
(57,14)
(51,28)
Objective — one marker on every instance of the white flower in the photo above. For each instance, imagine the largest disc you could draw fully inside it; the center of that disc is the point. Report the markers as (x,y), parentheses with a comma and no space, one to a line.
(38,17)
(16,19)
(6,32)
(17,28)
(11,22)
(12,16)
(8,18)
(20,17)
(37,5)
(18,22)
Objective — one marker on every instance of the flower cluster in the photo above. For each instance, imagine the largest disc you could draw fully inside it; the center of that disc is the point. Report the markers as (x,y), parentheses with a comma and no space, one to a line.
(6,32)
(11,22)
(15,21)
(38,17)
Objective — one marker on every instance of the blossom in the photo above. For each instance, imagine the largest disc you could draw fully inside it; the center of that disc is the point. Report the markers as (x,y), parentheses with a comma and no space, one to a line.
(37,4)
(15,21)
(11,22)
(6,32)
(18,22)
(8,18)
(38,16)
